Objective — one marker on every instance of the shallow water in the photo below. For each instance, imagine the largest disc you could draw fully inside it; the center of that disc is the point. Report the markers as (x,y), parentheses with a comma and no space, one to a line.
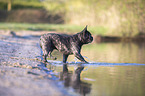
(102,79)
(123,75)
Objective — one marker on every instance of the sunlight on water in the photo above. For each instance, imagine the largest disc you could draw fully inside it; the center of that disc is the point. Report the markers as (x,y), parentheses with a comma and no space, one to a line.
(89,79)
(97,79)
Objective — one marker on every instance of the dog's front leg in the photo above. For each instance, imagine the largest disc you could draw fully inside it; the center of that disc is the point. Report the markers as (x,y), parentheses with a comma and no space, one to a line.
(80,57)
(65,58)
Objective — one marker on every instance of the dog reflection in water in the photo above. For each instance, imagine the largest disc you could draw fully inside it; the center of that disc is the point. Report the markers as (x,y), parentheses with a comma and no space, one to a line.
(73,80)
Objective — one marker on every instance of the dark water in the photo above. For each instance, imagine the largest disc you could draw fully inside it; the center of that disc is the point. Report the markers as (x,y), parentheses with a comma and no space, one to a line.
(123,74)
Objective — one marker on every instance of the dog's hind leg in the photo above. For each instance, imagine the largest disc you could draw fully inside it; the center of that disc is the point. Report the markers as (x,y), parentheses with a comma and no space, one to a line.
(45,50)
(45,54)
(50,56)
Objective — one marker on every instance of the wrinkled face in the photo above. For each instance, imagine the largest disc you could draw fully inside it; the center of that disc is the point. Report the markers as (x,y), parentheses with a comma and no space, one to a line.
(87,37)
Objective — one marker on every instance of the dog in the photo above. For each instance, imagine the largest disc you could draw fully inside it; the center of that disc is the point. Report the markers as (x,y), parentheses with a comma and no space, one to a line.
(66,44)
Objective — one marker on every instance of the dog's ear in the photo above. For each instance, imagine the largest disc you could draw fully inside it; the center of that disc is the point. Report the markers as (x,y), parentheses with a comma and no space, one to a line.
(85,29)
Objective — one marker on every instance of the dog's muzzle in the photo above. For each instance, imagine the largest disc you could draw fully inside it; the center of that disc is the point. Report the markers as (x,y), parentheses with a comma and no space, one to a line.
(91,39)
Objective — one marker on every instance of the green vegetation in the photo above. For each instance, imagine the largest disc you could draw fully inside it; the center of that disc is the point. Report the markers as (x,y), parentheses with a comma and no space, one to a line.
(121,17)
(116,17)
(62,28)
(17,4)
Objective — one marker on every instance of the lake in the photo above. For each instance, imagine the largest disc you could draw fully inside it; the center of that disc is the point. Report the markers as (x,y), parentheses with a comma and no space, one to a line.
(115,69)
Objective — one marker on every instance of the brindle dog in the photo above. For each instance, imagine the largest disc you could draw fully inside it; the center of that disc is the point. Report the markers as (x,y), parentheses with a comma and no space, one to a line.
(66,44)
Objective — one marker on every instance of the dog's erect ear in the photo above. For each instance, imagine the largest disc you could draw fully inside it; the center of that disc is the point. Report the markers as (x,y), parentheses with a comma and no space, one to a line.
(85,29)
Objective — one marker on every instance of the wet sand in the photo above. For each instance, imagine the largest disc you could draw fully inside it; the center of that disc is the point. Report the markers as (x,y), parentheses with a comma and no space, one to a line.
(21,71)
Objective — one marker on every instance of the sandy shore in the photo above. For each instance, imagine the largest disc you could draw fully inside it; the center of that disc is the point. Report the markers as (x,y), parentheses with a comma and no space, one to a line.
(21,71)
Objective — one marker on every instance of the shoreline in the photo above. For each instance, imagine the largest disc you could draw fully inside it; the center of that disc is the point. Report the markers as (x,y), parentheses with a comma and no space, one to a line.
(22,74)
(115,39)
(97,38)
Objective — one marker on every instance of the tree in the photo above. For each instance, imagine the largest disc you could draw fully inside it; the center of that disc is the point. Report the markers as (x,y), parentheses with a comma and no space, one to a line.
(9,4)
(9,8)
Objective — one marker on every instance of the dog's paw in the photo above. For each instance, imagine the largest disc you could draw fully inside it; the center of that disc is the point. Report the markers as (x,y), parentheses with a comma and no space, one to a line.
(85,62)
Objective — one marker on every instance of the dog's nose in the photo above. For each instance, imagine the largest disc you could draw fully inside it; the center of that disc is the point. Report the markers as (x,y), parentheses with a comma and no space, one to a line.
(91,38)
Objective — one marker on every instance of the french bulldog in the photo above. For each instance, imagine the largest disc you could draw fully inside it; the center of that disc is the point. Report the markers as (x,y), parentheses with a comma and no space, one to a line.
(66,44)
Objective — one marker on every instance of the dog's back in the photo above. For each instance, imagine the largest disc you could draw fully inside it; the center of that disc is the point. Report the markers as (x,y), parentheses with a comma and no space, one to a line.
(60,42)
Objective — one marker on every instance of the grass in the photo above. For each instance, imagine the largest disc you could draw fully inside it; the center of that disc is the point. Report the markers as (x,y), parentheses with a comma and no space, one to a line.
(19,4)
(62,28)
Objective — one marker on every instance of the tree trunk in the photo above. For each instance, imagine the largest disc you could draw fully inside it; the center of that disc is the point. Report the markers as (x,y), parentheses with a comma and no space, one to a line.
(9,5)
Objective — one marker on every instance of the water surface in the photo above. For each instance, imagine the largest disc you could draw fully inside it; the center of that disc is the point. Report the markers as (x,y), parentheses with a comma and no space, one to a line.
(102,79)
(116,69)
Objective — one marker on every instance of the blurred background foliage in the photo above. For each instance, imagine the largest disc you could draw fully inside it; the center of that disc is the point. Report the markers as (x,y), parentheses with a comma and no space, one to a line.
(122,17)
(113,17)
(19,4)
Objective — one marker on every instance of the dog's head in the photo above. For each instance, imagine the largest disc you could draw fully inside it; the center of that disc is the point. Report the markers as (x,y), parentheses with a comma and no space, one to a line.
(85,36)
